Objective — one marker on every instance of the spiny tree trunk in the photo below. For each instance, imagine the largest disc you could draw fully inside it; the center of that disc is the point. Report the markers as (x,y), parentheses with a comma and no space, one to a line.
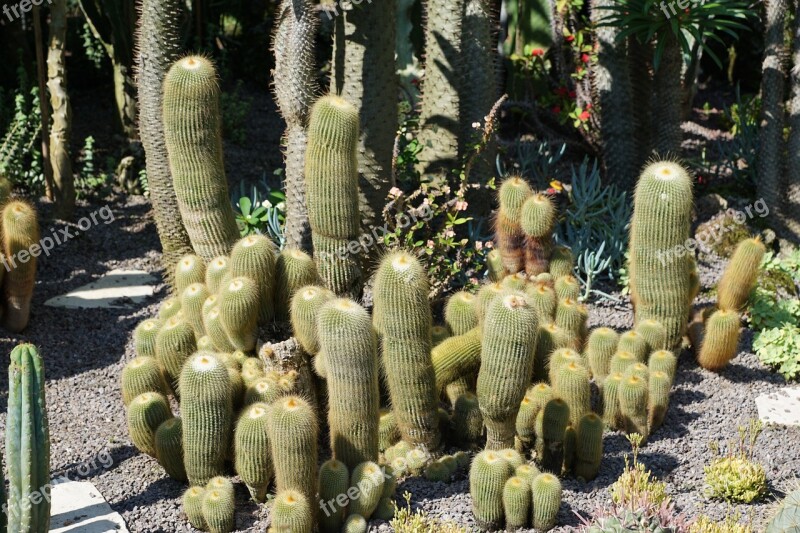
(791,208)
(44,109)
(612,89)
(61,130)
(296,89)
(667,97)
(406,63)
(158,48)
(640,57)
(364,75)
(773,78)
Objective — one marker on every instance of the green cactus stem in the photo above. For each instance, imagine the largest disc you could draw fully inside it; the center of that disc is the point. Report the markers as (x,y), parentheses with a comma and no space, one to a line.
(20,234)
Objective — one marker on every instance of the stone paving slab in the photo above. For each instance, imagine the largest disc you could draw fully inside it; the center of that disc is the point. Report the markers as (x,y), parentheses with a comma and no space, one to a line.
(780,407)
(117,289)
(78,507)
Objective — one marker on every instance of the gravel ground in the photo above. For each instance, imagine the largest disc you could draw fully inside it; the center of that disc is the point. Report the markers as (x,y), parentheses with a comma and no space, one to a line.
(85,351)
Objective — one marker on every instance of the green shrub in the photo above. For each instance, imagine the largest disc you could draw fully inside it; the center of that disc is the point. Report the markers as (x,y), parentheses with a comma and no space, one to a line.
(636,486)
(736,477)
(407,521)
(731,524)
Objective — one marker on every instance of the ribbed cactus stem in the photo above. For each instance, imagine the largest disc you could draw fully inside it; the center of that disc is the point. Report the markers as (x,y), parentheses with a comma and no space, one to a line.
(588,446)
(456,357)
(145,414)
(536,220)
(175,343)
(546,489)
(293,430)
(334,479)
(721,340)
(292,512)
(20,234)
(254,257)
(509,237)
(169,448)
(216,270)
(740,276)
(140,375)
(252,451)
(487,478)
(600,348)
(294,269)
(459,312)
(239,311)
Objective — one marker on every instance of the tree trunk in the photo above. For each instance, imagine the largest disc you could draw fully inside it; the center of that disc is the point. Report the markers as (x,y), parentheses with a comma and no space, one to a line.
(60,133)
(770,152)
(640,56)
(43,107)
(159,47)
(363,73)
(666,104)
(125,97)
(613,92)
(791,209)
(296,89)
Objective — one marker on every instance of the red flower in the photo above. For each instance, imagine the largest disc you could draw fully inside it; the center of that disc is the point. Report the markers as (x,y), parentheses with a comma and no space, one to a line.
(585,58)
(588,106)
(570,38)
(572,94)
(556,109)
(584,116)
(537,52)
(562,91)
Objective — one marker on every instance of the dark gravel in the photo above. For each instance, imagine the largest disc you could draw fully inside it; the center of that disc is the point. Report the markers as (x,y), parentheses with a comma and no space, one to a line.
(85,351)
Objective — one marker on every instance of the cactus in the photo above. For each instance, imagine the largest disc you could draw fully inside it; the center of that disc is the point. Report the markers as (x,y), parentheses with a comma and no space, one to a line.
(555,418)
(192,130)
(487,478)
(561,262)
(219,505)
(402,315)
(193,507)
(331,174)
(600,348)
(190,269)
(509,237)
(144,337)
(294,269)
(660,282)
(334,479)
(388,432)
(635,344)
(456,357)
(140,375)
(569,448)
(175,343)
(740,276)
(572,385)
(205,344)
(293,441)
(439,334)
(560,358)
(612,413)
(27,443)
(467,423)
(527,471)
(212,322)
(486,295)
(787,515)
(546,490)
(537,217)
(571,316)
(721,340)
(261,390)
(551,338)
(355,524)
(517,502)
(507,354)
(292,513)
(588,446)
(525,423)
(239,312)
(637,369)
(494,266)
(385,510)
(252,451)
(348,341)
(305,307)
(168,441)
(216,271)
(169,308)
(659,386)
(207,411)
(192,300)
(254,257)
(621,361)
(654,334)
(20,234)
(514,282)
(368,478)
(543,299)
(145,413)
(567,287)
(663,361)
(633,401)
(459,313)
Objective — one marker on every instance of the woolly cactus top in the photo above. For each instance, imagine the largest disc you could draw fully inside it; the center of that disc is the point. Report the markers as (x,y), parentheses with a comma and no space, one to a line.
(204,362)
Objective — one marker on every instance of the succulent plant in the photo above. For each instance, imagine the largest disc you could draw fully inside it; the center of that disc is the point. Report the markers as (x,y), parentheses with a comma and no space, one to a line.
(663,361)
(219,505)
(355,524)
(509,238)
(291,512)
(294,269)
(633,401)
(561,262)
(537,218)
(305,307)
(487,478)
(368,478)
(456,357)
(20,234)
(239,311)
(168,441)
(193,507)
(612,412)
(654,333)
(517,502)
(252,454)
(635,344)
(787,516)
(145,414)
(740,276)
(334,479)
(572,385)
(175,343)
(546,489)
(600,348)
(141,374)
(293,440)
(467,419)
(658,398)
(554,422)
(217,269)
(720,340)
(144,337)
(588,446)
(255,257)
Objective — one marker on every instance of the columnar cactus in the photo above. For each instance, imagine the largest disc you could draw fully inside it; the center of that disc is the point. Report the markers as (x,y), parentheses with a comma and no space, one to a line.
(169,448)
(588,446)
(217,269)
(572,385)
(633,401)
(207,412)
(219,505)
(348,341)
(654,334)
(254,257)
(144,337)
(546,489)
(509,237)
(507,356)
(456,357)
(660,277)
(561,262)
(537,218)
(368,478)
(212,322)
(600,348)
(292,512)
(543,299)
(334,479)
(621,361)
(495,269)
(517,502)
(567,287)
(331,174)
(487,478)
(239,311)
(252,451)
(663,361)
(555,419)
(550,339)
(169,308)
(633,343)
(739,277)
(402,316)
(658,397)
(305,307)
(293,440)
(193,507)
(20,232)
(142,374)
(175,343)
(27,442)
(190,269)
(612,413)
(467,419)
(459,312)
(192,300)
(720,341)
(145,413)
(193,134)
(294,269)
(571,316)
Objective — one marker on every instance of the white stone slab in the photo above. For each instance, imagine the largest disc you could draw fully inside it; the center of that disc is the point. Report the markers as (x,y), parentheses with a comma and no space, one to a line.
(78,507)
(780,407)
(117,289)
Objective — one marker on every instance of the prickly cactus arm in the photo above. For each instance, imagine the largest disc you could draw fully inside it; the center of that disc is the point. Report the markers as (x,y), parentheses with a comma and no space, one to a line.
(772,79)
(439,116)
(612,85)
(791,209)
(27,441)
(667,93)
(295,90)
(364,75)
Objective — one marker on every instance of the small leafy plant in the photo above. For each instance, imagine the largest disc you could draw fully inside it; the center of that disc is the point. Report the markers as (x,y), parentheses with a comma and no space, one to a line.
(636,487)
(730,524)
(407,521)
(260,209)
(736,477)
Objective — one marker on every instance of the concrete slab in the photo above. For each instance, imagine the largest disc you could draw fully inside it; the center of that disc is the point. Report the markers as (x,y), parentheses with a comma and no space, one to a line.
(117,289)
(780,407)
(78,507)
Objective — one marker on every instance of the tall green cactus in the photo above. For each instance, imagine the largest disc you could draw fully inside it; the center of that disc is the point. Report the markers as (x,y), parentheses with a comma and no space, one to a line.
(589,446)
(600,348)
(507,355)
(402,316)
(546,490)
(239,311)
(158,42)
(20,233)
(305,307)
(252,451)
(255,257)
(536,220)
(293,432)
(331,174)
(487,478)
(740,276)
(660,274)
(293,269)
(145,413)
(207,413)
(175,343)
(27,443)
(509,237)
(193,134)
(348,341)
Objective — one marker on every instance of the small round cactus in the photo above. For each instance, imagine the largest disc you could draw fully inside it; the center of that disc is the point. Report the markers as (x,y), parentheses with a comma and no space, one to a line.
(334,479)
(254,257)
(142,374)
(291,512)
(654,334)
(487,478)
(169,448)
(546,490)
(252,451)
(145,413)
(517,502)
(219,505)
(190,269)
(215,272)
(663,361)
(193,507)
(459,312)
(721,340)
(355,524)
(633,343)
(144,337)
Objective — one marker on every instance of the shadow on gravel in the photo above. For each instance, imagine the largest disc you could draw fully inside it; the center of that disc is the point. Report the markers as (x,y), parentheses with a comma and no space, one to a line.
(738,373)
(164,488)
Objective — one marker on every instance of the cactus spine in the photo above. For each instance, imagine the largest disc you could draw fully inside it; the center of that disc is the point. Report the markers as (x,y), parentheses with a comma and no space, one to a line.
(291,513)
(509,237)
(402,315)
(193,130)
(27,442)
(252,451)
(293,441)
(207,412)
(546,489)
(331,174)
(507,356)
(721,340)
(740,276)
(20,233)
(294,269)
(487,478)
(660,282)
(350,347)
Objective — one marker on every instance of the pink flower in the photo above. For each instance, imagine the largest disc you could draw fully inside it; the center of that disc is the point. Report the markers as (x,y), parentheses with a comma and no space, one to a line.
(449,233)
(584,116)
(478,245)
(489,244)
(430,243)
(585,58)
(461,205)
(394,192)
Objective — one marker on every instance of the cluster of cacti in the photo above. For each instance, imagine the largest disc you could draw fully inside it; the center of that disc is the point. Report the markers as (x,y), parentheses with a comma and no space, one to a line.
(19,228)
(507,492)
(211,507)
